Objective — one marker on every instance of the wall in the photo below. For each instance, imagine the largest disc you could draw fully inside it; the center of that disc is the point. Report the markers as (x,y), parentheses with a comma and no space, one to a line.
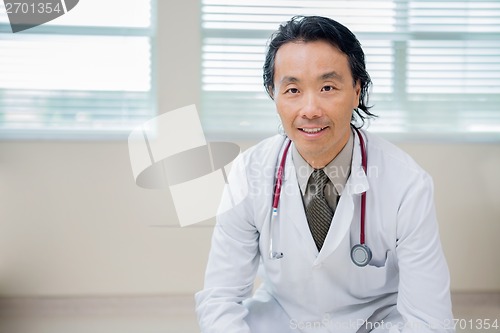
(72,221)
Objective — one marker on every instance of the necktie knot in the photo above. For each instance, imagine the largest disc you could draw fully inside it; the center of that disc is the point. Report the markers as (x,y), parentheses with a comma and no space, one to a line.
(319,181)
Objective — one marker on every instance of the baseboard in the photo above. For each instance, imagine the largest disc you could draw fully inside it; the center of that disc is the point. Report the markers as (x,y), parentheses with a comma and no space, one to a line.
(470,298)
(168,305)
(171,305)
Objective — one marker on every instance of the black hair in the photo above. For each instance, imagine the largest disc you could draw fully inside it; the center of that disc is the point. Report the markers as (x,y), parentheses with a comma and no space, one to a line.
(314,28)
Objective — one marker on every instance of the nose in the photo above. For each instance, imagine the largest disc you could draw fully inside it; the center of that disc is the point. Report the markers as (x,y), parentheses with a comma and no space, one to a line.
(311,108)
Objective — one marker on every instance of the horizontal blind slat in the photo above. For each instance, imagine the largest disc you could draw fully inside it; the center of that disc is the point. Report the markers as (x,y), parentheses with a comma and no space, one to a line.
(450,64)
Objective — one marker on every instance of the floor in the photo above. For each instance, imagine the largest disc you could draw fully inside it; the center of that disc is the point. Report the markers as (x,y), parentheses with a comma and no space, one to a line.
(474,312)
(173,314)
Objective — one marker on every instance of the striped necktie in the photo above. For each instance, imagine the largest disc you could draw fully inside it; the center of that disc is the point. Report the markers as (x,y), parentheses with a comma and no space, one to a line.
(318,212)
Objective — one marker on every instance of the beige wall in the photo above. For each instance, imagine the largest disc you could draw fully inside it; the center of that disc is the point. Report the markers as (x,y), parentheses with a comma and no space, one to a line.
(72,221)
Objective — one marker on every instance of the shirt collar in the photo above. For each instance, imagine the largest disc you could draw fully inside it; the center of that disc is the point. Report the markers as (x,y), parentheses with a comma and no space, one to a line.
(338,170)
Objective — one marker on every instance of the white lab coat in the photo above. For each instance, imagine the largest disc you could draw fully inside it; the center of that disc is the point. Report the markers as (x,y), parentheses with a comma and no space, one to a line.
(406,283)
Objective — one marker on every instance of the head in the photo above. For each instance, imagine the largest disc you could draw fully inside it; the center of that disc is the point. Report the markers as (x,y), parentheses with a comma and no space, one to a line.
(315,72)
(315,28)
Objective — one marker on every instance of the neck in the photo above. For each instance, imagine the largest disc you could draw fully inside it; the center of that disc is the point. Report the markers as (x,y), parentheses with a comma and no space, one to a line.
(323,158)
(321,161)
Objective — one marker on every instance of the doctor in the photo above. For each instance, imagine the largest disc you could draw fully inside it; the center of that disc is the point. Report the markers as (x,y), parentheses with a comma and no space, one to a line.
(353,245)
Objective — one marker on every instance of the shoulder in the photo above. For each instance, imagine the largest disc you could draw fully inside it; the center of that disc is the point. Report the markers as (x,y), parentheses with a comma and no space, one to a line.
(257,164)
(386,151)
(392,160)
(263,153)
(251,174)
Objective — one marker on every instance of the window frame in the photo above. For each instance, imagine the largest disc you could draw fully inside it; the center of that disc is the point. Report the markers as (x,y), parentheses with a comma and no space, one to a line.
(91,133)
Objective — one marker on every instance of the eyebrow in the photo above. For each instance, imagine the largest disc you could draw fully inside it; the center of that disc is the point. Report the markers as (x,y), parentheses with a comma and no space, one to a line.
(331,76)
(289,79)
(327,76)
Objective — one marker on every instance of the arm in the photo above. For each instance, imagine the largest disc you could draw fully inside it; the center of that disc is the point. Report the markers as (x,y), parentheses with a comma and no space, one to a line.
(424,296)
(232,264)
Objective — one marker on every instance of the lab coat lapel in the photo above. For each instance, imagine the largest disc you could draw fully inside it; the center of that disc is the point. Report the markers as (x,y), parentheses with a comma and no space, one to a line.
(293,213)
(342,220)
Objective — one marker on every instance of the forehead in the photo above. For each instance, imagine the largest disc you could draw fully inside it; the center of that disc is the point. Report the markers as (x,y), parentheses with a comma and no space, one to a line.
(300,58)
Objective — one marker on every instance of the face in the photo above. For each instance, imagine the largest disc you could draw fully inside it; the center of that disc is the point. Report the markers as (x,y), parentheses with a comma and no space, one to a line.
(315,95)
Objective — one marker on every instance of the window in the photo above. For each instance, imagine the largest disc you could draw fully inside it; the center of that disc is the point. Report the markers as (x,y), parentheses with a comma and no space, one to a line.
(435,65)
(87,74)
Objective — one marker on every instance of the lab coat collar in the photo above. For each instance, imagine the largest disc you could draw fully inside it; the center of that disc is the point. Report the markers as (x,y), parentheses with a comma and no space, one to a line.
(342,220)
(358,181)
(337,170)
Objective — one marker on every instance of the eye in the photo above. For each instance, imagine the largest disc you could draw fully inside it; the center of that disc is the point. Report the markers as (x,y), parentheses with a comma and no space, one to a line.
(327,88)
(292,91)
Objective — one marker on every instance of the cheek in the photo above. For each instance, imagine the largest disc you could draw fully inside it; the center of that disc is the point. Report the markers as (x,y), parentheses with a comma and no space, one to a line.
(283,110)
(279,111)
(286,119)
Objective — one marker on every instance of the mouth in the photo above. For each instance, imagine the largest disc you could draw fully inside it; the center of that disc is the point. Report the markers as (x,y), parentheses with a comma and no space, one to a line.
(312,130)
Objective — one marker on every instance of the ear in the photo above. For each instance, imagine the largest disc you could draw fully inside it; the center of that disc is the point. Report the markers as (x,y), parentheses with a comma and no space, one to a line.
(357,91)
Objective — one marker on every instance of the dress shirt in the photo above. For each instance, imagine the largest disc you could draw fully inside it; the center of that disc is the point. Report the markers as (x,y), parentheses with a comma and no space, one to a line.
(338,171)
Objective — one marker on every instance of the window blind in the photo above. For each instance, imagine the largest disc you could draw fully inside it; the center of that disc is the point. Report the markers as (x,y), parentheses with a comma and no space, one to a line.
(87,74)
(435,65)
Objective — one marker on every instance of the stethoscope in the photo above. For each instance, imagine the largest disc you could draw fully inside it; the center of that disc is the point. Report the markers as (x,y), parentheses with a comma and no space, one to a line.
(360,253)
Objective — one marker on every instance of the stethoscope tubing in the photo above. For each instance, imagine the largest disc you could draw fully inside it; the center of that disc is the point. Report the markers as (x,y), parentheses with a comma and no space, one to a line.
(360,253)
(364,164)
(279,177)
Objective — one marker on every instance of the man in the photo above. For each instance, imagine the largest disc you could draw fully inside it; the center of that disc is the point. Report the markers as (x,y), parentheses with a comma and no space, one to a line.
(311,282)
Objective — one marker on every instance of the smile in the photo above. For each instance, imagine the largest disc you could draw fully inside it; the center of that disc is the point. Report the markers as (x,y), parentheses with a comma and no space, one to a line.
(312,130)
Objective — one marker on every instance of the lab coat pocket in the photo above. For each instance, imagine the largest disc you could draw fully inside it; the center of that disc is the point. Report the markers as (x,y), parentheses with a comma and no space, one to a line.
(375,278)
(382,261)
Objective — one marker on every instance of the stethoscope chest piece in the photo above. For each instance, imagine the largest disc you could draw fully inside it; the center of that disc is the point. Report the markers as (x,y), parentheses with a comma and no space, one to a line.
(361,255)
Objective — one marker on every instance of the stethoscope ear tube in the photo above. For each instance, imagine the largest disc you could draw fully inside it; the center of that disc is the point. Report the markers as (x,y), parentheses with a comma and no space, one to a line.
(273,252)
